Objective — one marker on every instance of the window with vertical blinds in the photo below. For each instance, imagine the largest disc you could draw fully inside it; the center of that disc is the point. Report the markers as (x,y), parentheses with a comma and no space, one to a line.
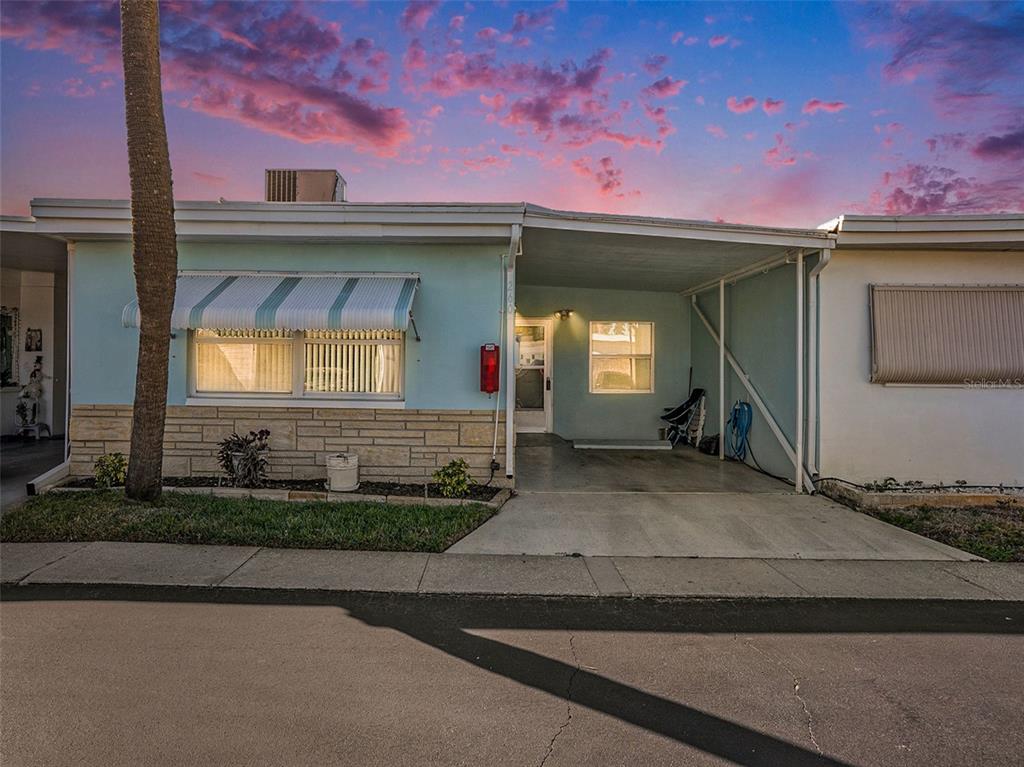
(338,364)
(352,361)
(947,334)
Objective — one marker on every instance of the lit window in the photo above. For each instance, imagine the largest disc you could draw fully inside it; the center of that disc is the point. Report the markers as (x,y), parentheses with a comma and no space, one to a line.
(621,357)
(360,364)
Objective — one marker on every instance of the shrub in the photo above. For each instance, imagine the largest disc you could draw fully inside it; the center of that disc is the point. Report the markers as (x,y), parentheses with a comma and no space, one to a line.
(243,458)
(111,470)
(453,479)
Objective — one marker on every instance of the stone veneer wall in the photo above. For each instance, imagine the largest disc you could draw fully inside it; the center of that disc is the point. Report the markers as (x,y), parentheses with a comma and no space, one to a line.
(393,445)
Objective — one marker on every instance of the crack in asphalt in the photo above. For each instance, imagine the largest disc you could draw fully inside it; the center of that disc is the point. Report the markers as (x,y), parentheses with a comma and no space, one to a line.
(568,703)
(796,692)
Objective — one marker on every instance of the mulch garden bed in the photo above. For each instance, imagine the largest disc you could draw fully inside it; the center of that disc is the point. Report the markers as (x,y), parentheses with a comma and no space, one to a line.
(409,490)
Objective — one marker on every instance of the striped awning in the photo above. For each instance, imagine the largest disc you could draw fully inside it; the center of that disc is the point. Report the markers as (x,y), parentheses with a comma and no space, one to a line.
(289,302)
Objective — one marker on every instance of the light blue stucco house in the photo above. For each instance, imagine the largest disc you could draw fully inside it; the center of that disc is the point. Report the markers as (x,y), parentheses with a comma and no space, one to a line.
(359,327)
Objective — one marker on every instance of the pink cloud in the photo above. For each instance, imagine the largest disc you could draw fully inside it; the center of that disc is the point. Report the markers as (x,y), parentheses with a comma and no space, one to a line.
(916,189)
(717,131)
(434,112)
(665,87)
(971,52)
(544,17)
(676,37)
(1009,146)
(456,23)
(659,115)
(563,104)
(77,88)
(773,106)
(780,155)
(489,162)
(817,105)
(487,33)
(417,13)
(691,40)
(604,173)
(741,106)
(415,56)
(654,64)
(209,178)
(275,68)
(718,40)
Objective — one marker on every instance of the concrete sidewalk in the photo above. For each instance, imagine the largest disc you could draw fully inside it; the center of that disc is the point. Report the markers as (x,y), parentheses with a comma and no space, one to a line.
(242,567)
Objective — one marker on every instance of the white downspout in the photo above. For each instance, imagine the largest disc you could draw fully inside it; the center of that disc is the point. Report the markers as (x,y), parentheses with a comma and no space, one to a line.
(721,370)
(814,319)
(70,341)
(515,242)
(798,448)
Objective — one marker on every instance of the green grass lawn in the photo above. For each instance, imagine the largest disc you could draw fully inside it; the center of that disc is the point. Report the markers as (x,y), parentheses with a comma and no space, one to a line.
(995,532)
(101,515)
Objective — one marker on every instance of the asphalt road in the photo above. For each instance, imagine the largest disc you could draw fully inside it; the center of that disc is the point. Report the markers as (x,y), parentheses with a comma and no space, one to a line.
(106,678)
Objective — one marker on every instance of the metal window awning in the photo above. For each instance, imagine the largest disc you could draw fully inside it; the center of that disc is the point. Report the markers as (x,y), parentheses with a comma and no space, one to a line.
(289,301)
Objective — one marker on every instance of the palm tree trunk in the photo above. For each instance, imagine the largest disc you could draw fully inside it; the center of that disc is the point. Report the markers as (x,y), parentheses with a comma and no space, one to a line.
(154,248)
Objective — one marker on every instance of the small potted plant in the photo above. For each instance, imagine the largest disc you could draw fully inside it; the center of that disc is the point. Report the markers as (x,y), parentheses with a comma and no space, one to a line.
(244,458)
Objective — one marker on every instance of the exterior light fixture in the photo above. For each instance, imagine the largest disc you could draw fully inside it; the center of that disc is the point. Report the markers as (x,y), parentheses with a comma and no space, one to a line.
(563,314)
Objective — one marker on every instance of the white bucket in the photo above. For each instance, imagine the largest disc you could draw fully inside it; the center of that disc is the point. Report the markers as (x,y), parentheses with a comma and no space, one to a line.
(343,472)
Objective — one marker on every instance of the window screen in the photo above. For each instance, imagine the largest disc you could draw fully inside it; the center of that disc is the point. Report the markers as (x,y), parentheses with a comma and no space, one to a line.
(950,334)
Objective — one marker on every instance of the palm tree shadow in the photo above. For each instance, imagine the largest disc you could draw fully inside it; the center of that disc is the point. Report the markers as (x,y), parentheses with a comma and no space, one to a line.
(444,622)
(578,686)
(446,631)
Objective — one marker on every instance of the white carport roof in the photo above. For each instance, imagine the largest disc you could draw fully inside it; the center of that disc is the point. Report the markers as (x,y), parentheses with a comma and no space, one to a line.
(594,250)
(558,247)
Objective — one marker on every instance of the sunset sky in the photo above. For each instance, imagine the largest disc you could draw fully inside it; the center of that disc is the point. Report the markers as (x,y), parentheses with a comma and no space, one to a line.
(756,113)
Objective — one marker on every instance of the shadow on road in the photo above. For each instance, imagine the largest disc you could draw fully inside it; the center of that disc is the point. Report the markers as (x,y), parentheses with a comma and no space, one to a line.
(446,623)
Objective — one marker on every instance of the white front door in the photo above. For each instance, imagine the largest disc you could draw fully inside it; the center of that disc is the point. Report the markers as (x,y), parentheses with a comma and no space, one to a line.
(532,357)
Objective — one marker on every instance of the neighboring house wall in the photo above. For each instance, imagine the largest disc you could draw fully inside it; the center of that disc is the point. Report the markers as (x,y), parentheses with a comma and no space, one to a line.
(578,414)
(760,331)
(457,309)
(932,434)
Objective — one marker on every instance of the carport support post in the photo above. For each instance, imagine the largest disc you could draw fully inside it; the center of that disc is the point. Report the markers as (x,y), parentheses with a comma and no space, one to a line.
(721,370)
(798,448)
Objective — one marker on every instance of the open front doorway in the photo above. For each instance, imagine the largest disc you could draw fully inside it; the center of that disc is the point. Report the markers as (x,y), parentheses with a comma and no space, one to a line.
(533,365)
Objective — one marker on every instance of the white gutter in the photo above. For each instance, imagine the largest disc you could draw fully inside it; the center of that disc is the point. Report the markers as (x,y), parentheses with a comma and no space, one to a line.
(70,349)
(814,321)
(721,368)
(798,450)
(514,248)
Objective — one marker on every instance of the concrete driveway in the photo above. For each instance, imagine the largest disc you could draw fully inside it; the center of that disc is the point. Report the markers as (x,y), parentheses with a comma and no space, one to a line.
(677,504)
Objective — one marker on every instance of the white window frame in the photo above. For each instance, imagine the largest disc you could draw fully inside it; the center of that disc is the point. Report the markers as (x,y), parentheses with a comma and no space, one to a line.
(590,358)
(298,396)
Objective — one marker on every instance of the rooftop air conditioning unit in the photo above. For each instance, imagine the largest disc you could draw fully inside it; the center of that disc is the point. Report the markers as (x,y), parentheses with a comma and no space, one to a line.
(286,185)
